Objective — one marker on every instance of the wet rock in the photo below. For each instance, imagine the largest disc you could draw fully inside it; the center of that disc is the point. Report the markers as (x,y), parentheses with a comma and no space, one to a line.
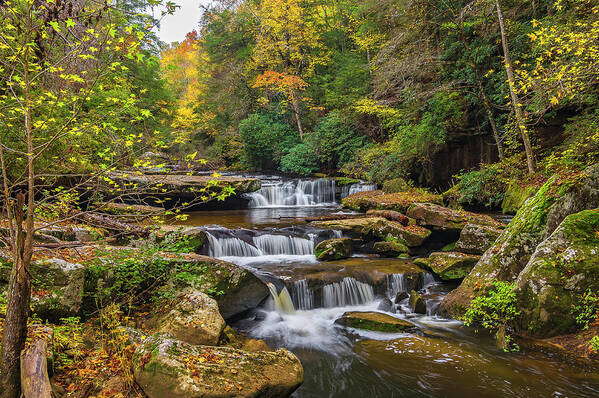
(417,303)
(165,367)
(449,266)
(389,215)
(444,219)
(386,305)
(334,249)
(534,222)
(401,296)
(378,200)
(377,228)
(375,321)
(69,234)
(476,239)
(57,290)
(390,249)
(562,270)
(193,318)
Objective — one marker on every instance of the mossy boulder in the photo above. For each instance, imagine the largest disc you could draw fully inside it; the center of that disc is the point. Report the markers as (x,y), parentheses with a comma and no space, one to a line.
(376,322)
(534,222)
(389,215)
(57,288)
(564,267)
(390,249)
(476,239)
(377,228)
(400,201)
(417,303)
(396,185)
(334,249)
(449,266)
(444,219)
(515,196)
(192,317)
(164,367)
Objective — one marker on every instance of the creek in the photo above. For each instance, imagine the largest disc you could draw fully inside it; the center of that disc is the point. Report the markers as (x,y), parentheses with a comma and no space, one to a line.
(445,359)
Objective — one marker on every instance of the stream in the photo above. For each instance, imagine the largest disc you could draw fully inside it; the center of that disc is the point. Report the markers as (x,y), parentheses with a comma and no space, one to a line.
(445,360)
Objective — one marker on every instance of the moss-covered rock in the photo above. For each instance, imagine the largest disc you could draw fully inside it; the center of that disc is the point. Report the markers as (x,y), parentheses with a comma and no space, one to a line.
(390,249)
(515,196)
(449,266)
(334,249)
(164,367)
(564,267)
(534,222)
(57,290)
(417,303)
(193,318)
(378,200)
(376,322)
(377,228)
(476,239)
(389,215)
(445,219)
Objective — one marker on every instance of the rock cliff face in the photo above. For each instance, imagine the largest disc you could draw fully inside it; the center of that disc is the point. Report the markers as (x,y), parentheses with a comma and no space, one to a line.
(535,221)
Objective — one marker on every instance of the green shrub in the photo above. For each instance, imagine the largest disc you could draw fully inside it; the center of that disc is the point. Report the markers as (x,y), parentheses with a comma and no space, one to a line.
(586,309)
(594,344)
(301,160)
(396,185)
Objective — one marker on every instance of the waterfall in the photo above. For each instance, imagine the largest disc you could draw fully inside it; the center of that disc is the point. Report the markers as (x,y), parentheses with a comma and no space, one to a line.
(396,283)
(280,244)
(301,193)
(230,247)
(283,302)
(429,279)
(347,292)
(337,234)
(302,296)
(355,188)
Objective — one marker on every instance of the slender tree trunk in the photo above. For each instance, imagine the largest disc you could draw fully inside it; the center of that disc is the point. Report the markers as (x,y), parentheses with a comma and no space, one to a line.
(296,111)
(17,309)
(515,101)
(489,112)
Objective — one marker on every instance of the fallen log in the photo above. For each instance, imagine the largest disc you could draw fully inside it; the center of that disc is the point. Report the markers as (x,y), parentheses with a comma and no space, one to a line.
(333,217)
(389,215)
(110,224)
(35,382)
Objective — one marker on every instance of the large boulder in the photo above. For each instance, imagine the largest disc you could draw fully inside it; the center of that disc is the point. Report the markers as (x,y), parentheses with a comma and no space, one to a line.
(164,367)
(444,219)
(376,322)
(334,249)
(379,200)
(57,290)
(534,222)
(476,239)
(193,318)
(449,266)
(564,267)
(378,228)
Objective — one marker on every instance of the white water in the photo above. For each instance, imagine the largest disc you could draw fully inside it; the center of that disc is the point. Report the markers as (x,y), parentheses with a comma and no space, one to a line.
(396,283)
(355,188)
(347,292)
(291,193)
(280,244)
(265,248)
(302,295)
(283,302)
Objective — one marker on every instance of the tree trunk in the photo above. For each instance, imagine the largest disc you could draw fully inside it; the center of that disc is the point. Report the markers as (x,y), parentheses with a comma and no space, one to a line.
(35,382)
(487,107)
(296,111)
(515,101)
(17,310)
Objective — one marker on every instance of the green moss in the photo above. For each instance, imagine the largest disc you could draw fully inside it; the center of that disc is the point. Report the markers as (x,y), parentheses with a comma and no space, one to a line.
(376,322)
(515,196)
(449,247)
(344,181)
(396,185)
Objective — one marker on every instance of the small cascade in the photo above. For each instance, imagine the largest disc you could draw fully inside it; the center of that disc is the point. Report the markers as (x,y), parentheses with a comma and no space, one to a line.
(280,244)
(396,283)
(290,193)
(230,247)
(303,298)
(347,292)
(283,302)
(337,234)
(355,188)
(429,279)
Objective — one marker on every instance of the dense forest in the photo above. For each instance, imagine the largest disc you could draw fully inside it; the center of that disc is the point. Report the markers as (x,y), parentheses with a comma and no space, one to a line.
(308,198)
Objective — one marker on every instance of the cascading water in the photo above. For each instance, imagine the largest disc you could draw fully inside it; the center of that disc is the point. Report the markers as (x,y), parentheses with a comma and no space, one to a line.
(348,292)
(230,247)
(355,188)
(290,193)
(302,296)
(396,283)
(283,302)
(280,244)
